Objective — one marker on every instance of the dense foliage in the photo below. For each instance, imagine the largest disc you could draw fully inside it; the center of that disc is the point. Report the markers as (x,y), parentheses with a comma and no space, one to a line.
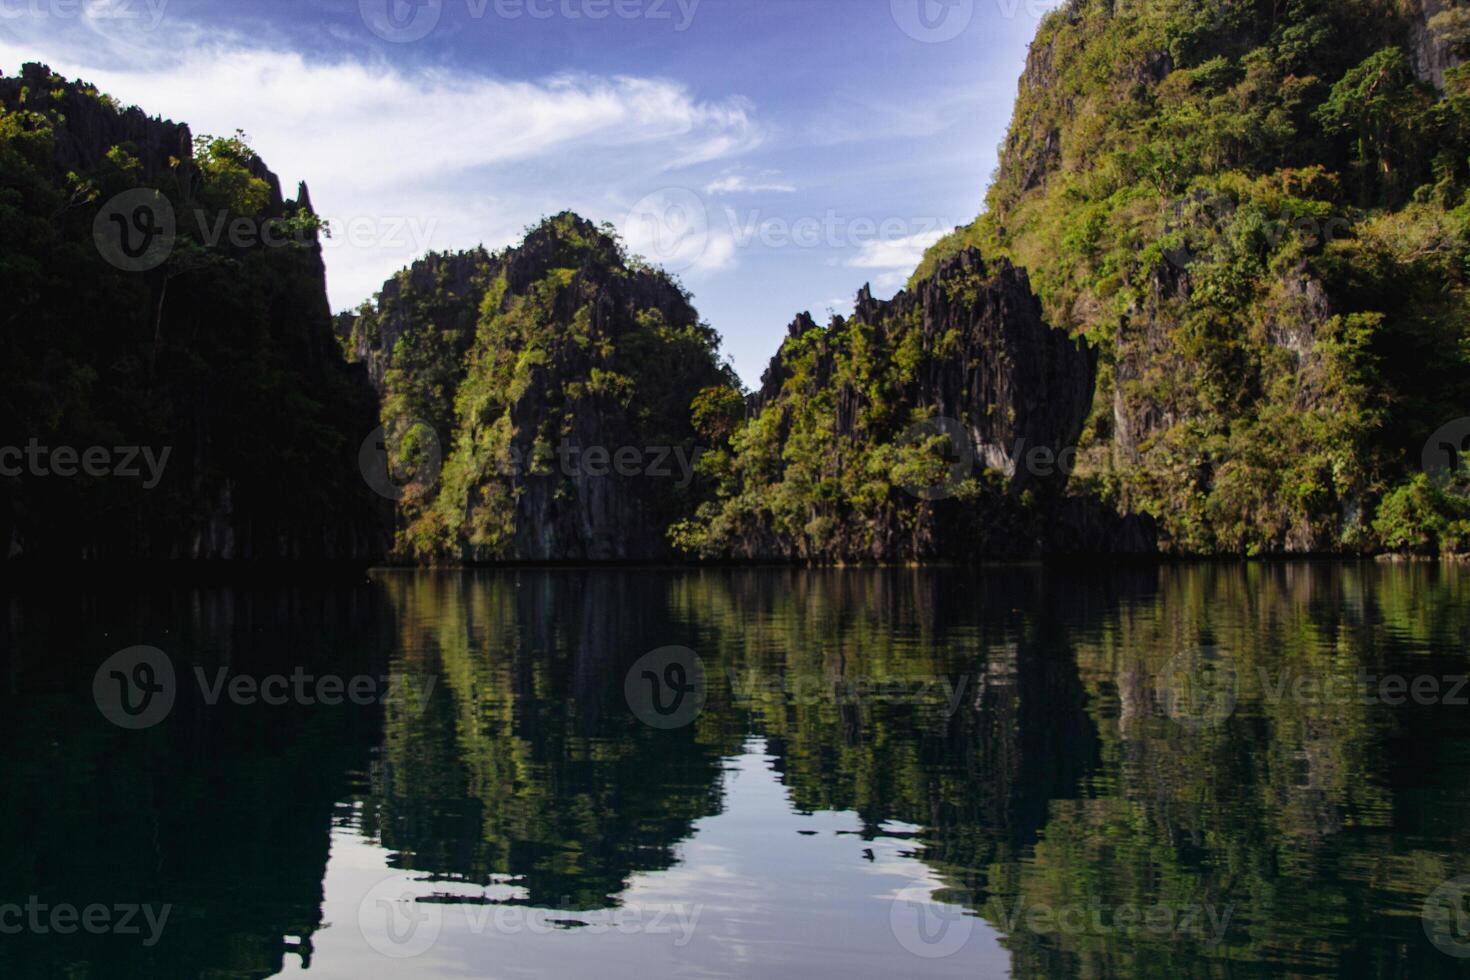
(1256,211)
(905,431)
(531,370)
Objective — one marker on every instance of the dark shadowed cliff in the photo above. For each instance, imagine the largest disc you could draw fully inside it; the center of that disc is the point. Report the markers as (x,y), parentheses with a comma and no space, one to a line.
(169,375)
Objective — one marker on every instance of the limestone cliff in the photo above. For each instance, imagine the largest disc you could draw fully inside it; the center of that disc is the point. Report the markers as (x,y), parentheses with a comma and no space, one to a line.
(542,395)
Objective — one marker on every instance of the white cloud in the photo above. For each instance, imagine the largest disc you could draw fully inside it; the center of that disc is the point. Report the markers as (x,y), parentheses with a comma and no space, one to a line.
(735,183)
(671,228)
(433,159)
(902,254)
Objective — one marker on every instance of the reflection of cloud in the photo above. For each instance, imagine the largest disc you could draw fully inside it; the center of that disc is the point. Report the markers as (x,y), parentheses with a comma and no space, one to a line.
(378,143)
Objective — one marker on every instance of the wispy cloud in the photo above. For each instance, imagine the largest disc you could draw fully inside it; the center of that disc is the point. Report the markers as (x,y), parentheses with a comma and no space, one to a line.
(737,183)
(895,258)
(447,159)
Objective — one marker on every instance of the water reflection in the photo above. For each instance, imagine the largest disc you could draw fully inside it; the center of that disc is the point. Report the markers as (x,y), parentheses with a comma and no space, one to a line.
(1193,770)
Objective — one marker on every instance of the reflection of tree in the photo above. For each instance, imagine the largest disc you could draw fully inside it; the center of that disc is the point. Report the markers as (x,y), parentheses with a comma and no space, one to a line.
(1301,815)
(1060,783)
(851,676)
(222,812)
(527,769)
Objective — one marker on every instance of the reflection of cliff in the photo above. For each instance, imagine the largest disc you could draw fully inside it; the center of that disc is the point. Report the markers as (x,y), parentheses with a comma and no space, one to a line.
(526,769)
(223,813)
(1014,717)
(1301,817)
(944,699)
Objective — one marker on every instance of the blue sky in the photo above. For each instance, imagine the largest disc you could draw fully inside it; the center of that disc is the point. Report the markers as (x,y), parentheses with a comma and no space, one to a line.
(775,154)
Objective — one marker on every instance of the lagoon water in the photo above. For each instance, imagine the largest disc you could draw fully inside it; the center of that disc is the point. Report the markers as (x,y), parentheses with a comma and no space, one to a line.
(1033,771)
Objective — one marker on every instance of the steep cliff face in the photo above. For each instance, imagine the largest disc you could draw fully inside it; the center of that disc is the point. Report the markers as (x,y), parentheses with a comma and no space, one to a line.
(541,396)
(1439,32)
(1256,213)
(935,425)
(167,314)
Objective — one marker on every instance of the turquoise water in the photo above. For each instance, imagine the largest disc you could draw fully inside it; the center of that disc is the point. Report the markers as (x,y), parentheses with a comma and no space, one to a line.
(1211,770)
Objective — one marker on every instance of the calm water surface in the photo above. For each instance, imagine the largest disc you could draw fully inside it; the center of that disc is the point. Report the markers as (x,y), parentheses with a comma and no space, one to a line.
(1212,770)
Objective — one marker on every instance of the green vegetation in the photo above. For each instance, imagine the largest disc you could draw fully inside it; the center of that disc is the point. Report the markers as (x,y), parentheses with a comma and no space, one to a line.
(824,466)
(1257,214)
(524,364)
(904,432)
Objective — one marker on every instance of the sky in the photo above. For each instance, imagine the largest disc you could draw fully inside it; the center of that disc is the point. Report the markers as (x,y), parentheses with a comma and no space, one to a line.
(775,155)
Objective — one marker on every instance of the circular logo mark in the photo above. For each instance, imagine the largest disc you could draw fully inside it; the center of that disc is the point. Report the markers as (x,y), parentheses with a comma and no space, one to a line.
(401,459)
(958,454)
(134,688)
(401,21)
(668,227)
(666,688)
(933,21)
(395,923)
(1447,453)
(1446,917)
(1198,688)
(135,230)
(926,928)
